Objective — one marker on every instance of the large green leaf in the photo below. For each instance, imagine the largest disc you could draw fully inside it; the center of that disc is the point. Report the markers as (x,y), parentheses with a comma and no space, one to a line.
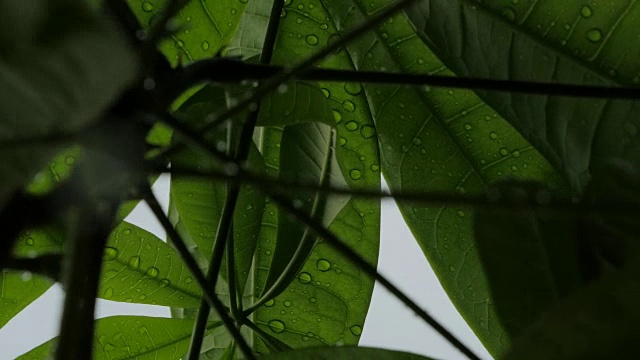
(61,67)
(306,155)
(597,322)
(203,27)
(328,302)
(133,337)
(577,41)
(344,353)
(138,267)
(438,140)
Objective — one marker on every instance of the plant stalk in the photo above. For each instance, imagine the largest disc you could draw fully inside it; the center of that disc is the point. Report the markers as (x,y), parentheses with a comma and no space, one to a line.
(233,191)
(82,267)
(192,265)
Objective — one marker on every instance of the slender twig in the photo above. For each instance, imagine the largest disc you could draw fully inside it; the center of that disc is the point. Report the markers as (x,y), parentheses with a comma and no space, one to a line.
(215,263)
(192,265)
(222,70)
(287,73)
(369,269)
(224,234)
(92,224)
(232,277)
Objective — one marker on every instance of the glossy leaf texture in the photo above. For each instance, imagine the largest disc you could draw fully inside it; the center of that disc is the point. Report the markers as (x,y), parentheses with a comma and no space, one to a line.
(438,140)
(344,353)
(596,322)
(37,69)
(202,28)
(133,337)
(533,257)
(328,301)
(140,268)
(308,151)
(197,203)
(578,42)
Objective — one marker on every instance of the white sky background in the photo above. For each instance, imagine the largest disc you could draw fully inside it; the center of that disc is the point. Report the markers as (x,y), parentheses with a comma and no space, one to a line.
(389,323)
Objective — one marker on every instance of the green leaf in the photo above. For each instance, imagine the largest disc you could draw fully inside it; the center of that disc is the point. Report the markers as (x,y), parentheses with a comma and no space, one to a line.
(436,140)
(576,42)
(531,257)
(328,302)
(138,267)
(343,353)
(40,241)
(133,337)
(198,202)
(61,67)
(306,155)
(203,28)
(18,291)
(597,322)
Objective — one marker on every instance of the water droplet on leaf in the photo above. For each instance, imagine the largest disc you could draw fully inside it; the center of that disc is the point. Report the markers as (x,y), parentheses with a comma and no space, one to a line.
(323,265)
(304,277)
(356,330)
(276,326)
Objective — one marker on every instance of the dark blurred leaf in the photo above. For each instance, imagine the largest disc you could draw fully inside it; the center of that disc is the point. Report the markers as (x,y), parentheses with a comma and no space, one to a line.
(596,322)
(61,67)
(530,256)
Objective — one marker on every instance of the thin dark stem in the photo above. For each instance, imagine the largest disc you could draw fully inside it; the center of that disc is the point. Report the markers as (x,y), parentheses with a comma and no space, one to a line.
(369,269)
(272,32)
(192,265)
(228,70)
(83,262)
(289,73)
(547,200)
(224,234)
(231,276)
(224,227)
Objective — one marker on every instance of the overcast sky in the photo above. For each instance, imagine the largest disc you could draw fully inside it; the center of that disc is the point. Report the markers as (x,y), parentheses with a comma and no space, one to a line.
(389,324)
